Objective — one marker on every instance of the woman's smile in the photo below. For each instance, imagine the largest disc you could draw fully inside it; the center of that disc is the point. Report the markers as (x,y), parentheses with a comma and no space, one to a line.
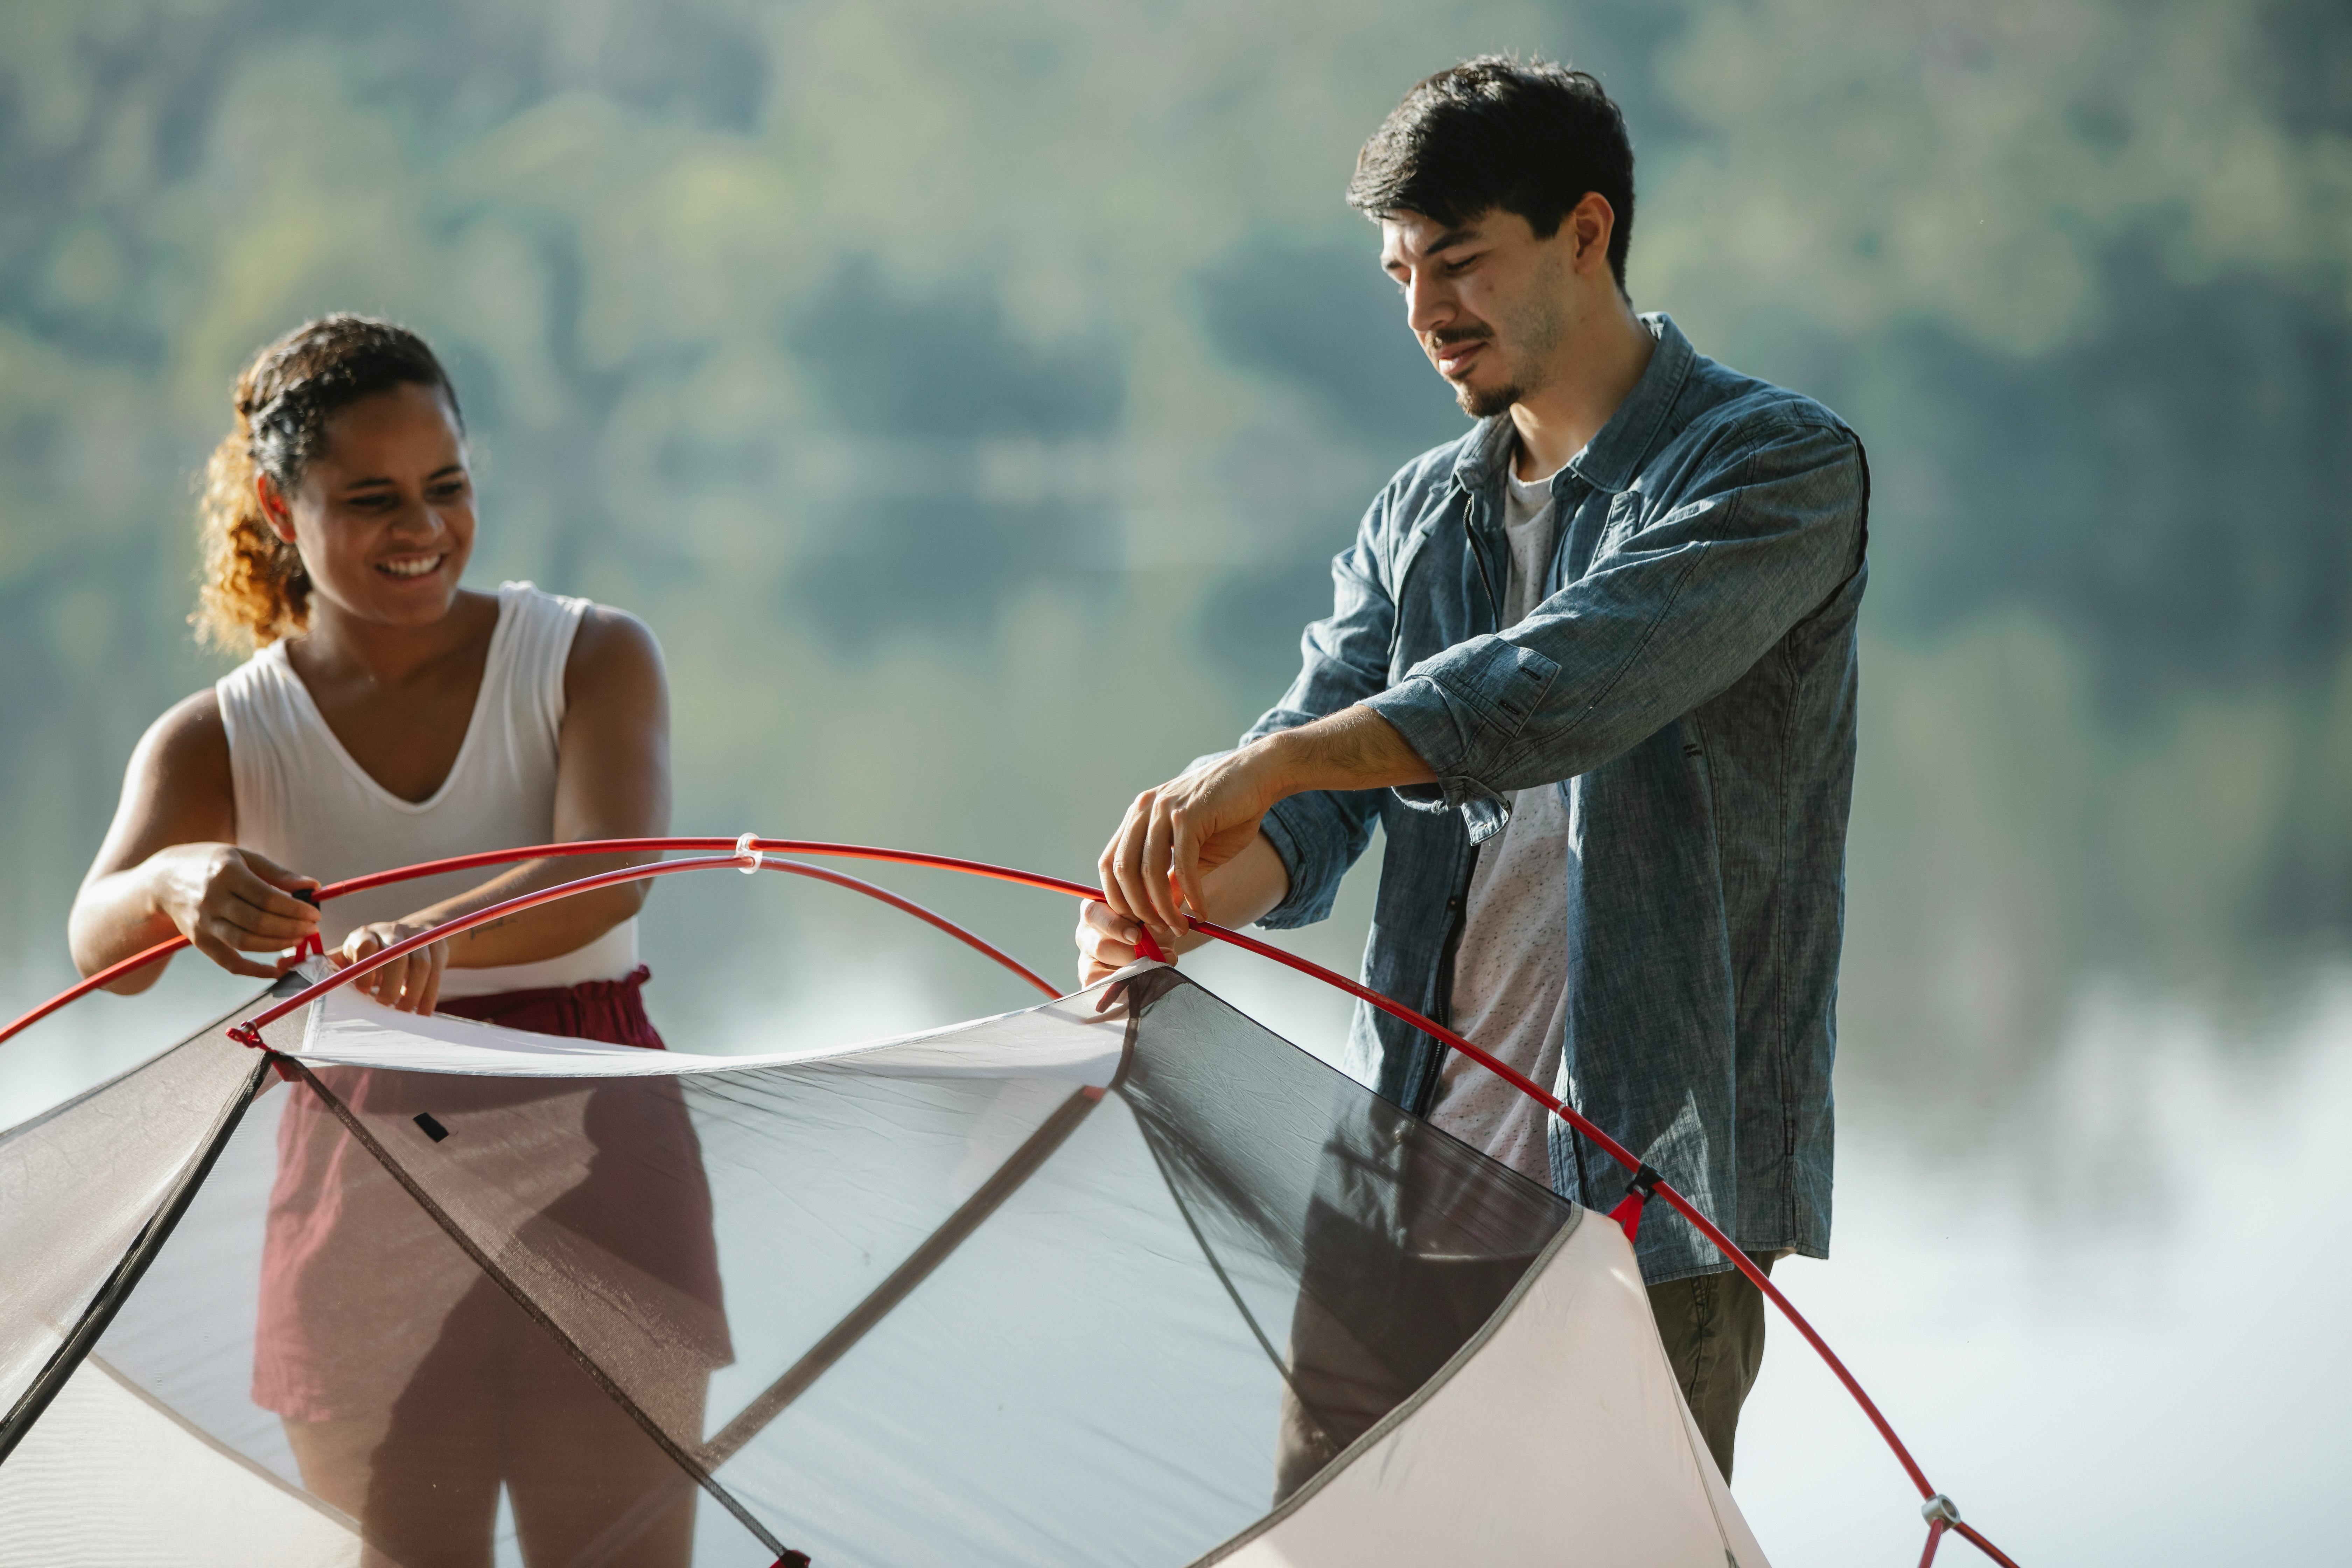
(412,565)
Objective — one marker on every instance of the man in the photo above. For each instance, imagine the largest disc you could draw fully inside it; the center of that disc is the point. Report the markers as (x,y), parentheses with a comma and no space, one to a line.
(1591,668)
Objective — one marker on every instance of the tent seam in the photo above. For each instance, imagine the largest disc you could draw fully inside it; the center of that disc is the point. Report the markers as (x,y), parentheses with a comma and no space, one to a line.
(311,1500)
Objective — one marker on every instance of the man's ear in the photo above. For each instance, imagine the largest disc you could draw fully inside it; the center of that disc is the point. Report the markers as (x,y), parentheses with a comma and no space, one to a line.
(1592,221)
(274,510)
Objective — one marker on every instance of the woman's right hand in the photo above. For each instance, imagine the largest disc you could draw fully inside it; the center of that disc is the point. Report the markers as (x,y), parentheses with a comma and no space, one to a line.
(229,901)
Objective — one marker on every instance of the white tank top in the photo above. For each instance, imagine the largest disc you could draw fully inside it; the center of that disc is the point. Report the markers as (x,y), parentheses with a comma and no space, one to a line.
(303,802)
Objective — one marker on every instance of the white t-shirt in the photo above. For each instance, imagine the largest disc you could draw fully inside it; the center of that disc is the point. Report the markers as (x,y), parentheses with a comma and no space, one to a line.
(303,801)
(1510,973)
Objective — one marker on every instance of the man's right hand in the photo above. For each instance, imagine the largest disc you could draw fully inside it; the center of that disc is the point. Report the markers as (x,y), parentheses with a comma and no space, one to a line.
(229,901)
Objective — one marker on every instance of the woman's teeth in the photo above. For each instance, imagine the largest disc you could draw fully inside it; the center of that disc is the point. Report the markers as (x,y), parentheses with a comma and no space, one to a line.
(417,567)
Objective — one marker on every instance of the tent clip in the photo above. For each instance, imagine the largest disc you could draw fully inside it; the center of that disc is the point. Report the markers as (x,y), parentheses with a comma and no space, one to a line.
(1941,1506)
(313,945)
(1628,1212)
(749,856)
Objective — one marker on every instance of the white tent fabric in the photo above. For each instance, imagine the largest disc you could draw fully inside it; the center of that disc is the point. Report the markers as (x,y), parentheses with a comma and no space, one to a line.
(158,1490)
(1071,1040)
(1064,1286)
(1473,1468)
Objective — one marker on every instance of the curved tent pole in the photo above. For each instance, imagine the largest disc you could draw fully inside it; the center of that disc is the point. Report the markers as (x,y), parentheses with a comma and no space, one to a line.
(749,852)
(162,950)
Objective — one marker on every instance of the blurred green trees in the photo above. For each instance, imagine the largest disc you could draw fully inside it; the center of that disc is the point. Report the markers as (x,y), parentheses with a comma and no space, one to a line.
(972,394)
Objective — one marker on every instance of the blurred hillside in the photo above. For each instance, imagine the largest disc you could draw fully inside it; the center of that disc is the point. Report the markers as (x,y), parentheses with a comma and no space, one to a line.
(971,397)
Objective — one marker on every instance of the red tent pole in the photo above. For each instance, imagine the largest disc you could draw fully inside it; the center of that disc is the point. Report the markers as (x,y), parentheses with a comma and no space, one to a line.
(746,855)
(744,858)
(104,977)
(137,960)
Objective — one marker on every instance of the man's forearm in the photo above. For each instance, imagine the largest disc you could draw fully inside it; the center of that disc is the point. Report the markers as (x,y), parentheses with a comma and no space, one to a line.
(1352,749)
(1246,886)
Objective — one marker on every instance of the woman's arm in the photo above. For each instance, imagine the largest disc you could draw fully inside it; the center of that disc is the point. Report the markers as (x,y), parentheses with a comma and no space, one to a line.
(169,864)
(612,781)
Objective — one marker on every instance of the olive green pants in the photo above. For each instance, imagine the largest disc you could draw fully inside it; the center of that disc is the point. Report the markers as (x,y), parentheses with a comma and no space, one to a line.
(1713,1327)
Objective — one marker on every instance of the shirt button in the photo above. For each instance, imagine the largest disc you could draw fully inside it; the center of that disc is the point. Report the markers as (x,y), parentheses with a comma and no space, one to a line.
(1453,903)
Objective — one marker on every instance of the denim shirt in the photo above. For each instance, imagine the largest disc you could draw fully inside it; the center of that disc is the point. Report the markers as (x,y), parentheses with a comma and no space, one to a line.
(1688,683)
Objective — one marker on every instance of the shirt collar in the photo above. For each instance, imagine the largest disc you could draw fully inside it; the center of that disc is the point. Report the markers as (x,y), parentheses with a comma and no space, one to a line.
(1611,459)
(1478,466)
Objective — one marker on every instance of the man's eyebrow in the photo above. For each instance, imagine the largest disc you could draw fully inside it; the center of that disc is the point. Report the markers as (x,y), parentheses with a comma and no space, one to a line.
(1463,235)
(445,471)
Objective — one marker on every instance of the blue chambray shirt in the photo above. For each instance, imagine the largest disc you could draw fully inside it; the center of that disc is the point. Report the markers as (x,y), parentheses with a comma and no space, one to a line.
(1688,683)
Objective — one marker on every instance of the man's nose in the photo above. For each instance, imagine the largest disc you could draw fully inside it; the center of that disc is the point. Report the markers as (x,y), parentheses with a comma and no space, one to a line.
(1428,303)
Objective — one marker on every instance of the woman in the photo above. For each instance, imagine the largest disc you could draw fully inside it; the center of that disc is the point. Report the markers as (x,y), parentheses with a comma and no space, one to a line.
(391,716)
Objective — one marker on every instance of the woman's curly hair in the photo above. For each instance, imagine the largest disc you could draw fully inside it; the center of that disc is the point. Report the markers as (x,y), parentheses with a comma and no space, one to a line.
(255,589)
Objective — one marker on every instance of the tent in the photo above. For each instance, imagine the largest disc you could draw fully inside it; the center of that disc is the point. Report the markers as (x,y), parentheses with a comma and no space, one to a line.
(1122,1278)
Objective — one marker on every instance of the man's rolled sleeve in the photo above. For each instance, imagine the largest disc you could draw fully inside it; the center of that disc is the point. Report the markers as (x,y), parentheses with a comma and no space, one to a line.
(1317,838)
(1459,713)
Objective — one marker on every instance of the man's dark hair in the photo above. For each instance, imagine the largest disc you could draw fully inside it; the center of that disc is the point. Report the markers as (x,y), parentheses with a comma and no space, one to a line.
(1529,138)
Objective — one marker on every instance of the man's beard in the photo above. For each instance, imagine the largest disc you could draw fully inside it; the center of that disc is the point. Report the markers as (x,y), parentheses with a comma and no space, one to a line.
(1533,334)
(1488,404)
(1475,404)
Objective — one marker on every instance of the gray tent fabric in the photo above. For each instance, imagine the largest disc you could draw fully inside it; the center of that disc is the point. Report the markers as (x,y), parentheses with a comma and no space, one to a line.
(1138,1285)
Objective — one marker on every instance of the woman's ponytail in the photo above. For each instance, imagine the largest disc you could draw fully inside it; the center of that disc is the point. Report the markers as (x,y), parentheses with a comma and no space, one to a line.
(255,590)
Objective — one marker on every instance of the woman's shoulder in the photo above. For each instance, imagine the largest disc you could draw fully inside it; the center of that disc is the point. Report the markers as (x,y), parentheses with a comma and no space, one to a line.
(266,666)
(598,632)
(188,744)
(608,653)
(258,695)
(613,652)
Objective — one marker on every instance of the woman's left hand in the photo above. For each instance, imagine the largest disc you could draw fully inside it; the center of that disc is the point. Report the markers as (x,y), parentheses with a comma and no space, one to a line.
(410,983)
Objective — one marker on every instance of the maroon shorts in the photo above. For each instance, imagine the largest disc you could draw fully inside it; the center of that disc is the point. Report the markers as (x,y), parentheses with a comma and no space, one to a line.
(612,1011)
(358,1282)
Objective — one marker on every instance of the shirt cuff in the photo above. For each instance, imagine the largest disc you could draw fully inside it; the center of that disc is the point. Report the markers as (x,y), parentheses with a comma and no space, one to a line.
(1305,903)
(1463,717)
